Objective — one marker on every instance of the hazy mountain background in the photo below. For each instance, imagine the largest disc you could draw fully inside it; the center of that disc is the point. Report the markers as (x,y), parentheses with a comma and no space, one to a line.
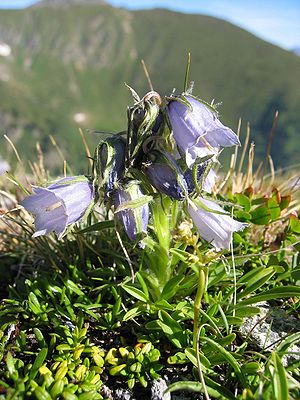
(63,65)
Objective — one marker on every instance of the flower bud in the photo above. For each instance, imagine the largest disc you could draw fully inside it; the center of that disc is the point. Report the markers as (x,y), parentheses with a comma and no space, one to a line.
(205,178)
(166,176)
(110,162)
(131,206)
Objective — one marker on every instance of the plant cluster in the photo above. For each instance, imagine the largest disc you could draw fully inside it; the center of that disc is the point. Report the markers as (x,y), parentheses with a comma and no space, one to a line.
(107,308)
(168,149)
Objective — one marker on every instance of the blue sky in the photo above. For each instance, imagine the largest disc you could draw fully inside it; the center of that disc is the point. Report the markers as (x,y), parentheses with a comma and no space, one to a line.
(277,21)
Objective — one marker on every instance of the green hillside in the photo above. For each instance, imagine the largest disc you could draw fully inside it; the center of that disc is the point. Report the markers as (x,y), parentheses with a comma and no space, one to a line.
(74,59)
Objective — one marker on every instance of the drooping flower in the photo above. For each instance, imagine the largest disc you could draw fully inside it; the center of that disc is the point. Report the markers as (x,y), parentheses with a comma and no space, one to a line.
(134,217)
(214,228)
(59,205)
(197,130)
(166,176)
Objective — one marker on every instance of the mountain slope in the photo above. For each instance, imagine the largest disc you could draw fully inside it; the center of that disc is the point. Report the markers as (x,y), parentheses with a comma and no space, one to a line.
(67,68)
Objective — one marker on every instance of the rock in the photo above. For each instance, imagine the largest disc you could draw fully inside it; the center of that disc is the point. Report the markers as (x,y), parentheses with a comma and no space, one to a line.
(159,386)
(268,328)
(123,394)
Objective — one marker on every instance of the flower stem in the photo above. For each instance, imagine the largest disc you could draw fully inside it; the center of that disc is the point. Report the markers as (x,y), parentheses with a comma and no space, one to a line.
(197,304)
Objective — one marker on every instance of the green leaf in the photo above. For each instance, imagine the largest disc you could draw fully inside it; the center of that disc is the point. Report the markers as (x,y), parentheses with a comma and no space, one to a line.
(245,311)
(133,204)
(42,394)
(10,363)
(294,224)
(287,342)
(285,201)
(39,337)
(191,355)
(256,281)
(143,284)
(163,305)
(260,215)
(214,389)
(171,287)
(34,304)
(132,313)
(38,362)
(172,329)
(279,379)
(73,287)
(135,292)
(251,367)
(98,226)
(274,208)
(227,357)
(178,358)
(57,388)
(243,200)
(274,293)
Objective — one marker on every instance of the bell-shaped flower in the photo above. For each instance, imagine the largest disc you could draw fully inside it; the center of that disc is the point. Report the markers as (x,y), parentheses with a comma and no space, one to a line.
(166,176)
(196,128)
(59,205)
(110,162)
(212,222)
(132,208)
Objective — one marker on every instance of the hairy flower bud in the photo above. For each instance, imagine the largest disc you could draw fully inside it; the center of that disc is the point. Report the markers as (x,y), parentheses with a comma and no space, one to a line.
(132,208)
(110,162)
(207,182)
(166,176)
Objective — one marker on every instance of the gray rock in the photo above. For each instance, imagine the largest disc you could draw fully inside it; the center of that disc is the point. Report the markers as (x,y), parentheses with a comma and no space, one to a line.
(123,394)
(158,387)
(268,328)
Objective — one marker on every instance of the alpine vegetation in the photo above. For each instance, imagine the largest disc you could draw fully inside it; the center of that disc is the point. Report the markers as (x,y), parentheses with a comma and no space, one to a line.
(169,149)
(160,273)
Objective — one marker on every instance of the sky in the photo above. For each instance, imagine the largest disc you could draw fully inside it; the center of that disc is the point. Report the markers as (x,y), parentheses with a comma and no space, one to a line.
(277,21)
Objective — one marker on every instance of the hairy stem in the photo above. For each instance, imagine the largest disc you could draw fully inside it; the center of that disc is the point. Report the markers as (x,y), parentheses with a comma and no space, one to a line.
(197,304)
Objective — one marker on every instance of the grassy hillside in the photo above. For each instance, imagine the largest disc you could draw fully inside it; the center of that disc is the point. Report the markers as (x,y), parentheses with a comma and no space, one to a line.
(75,59)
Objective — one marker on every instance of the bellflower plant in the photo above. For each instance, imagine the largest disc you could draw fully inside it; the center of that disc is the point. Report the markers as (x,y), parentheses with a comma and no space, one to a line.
(59,205)
(197,130)
(150,177)
(168,150)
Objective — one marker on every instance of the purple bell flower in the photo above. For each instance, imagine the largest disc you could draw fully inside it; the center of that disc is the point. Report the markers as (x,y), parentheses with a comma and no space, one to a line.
(59,205)
(197,130)
(135,219)
(214,228)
